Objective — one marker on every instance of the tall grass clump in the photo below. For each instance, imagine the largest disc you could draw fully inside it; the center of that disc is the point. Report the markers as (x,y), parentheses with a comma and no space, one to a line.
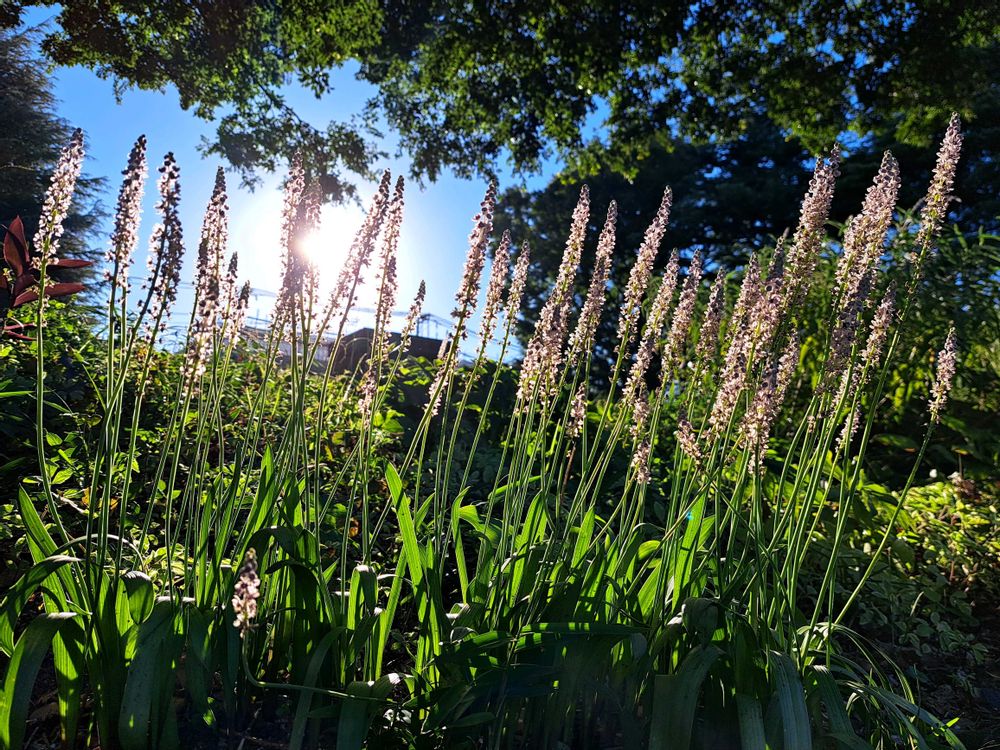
(534,559)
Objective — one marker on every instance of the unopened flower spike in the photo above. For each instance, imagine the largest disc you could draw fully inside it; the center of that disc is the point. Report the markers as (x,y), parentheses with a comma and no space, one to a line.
(246,592)
(19,290)
(947,360)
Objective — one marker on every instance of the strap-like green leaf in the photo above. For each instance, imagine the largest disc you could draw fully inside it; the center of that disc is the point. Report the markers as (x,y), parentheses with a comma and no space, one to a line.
(361,601)
(33,524)
(791,701)
(20,592)
(534,524)
(356,714)
(583,536)
(752,736)
(306,697)
(840,722)
(411,548)
(388,615)
(139,588)
(491,531)
(146,706)
(25,661)
(68,658)
(675,700)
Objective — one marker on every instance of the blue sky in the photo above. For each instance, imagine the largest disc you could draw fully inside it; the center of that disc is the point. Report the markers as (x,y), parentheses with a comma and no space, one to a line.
(436,223)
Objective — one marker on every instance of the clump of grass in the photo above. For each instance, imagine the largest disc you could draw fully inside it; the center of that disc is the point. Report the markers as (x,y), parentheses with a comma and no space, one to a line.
(630,573)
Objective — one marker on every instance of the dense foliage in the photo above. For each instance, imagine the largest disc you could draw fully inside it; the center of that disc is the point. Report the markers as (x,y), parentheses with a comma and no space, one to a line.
(424,554)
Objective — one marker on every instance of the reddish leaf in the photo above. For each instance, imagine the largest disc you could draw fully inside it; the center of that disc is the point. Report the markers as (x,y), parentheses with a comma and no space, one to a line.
(9,334)
(25,297)
(11,330)
(68,263)
(24,281)
(55,290)
(61,290)
(15,247)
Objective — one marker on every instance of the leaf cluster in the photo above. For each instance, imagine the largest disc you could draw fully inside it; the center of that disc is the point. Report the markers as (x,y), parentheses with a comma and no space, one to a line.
(594,85)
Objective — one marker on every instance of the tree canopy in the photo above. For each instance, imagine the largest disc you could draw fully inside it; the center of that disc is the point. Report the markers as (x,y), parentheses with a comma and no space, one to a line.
(465,84)
(229,62)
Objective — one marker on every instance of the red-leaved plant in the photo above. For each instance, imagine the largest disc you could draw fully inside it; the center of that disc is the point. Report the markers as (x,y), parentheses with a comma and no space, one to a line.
(19,281)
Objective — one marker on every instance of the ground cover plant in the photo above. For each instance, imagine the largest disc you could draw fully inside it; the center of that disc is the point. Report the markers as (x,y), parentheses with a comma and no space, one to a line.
(525,559)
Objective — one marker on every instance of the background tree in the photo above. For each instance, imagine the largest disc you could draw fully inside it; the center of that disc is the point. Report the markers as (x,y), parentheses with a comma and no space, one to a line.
(31,137)
(229,62)
(466,84)
(484,77)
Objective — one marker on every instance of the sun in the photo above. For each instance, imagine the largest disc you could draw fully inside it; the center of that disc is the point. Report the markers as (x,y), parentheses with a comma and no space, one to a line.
(327,246)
